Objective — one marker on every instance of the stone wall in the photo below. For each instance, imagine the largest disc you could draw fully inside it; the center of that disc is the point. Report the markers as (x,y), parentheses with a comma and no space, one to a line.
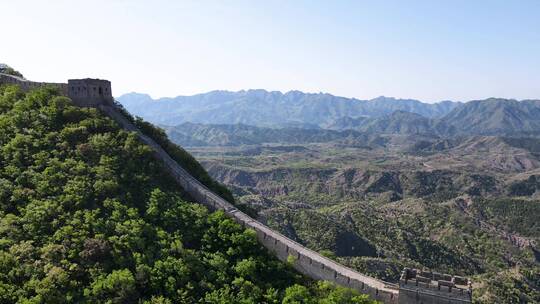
(83,92)
(417,286)
(306,261)
(426,294)
(27,85)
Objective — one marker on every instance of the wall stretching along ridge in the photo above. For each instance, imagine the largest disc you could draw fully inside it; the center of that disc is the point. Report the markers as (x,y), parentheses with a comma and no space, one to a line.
(29,85)
(415,287)
(306,261)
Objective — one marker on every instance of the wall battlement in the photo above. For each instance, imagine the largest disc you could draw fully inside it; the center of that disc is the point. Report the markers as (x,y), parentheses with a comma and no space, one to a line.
(412,289)
(84,92)
(417,286)
(27,85)
(90,92)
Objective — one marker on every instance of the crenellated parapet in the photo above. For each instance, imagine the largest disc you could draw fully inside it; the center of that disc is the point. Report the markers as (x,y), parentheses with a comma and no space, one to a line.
(418,286)
(86,92)
(90,92)
(27,85)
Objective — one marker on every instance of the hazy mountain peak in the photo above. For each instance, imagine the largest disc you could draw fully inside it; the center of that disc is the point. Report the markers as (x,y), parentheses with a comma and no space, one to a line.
(259,107)
(495,116)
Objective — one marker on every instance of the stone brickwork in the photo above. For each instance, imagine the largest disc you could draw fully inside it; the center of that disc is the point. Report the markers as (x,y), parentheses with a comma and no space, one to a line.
(90,92)
(416,286)
(27,85)
(84,92)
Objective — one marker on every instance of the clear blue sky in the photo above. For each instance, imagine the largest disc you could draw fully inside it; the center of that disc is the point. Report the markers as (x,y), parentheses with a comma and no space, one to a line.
(428,50)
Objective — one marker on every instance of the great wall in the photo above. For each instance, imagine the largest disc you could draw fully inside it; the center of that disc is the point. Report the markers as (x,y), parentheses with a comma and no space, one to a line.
(415,286)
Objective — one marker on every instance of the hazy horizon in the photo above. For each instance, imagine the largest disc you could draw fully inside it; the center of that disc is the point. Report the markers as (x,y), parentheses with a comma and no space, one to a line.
(335,95)
(424,50)
(285,92)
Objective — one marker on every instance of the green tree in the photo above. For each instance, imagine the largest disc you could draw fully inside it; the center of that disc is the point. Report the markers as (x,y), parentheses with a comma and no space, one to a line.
(116,287)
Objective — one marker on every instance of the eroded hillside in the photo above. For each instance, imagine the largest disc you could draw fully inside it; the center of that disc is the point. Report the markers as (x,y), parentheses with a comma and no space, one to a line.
(466,205)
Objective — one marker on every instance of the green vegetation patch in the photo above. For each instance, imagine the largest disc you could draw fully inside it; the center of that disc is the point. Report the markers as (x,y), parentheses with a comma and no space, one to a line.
(519,215)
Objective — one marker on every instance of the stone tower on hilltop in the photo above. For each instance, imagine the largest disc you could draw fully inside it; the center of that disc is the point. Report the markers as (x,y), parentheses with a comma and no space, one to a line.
(426,287)
(84,92)
(90,92)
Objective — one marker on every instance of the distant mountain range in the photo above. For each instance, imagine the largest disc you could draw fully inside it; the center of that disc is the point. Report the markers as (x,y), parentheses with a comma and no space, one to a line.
(495,116)
(399,122)
(271,109)
(297,110)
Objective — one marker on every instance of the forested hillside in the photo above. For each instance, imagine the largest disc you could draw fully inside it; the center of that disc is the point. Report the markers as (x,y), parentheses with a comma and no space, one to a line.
(88,216)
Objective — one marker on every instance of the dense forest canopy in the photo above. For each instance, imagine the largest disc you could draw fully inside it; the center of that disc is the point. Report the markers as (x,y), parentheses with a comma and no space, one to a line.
(88,216)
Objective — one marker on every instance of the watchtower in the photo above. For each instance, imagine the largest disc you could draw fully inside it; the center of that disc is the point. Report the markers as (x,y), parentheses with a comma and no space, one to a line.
(90,92)
(426,287)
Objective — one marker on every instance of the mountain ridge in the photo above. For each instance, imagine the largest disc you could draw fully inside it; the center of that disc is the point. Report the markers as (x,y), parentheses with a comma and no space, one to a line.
(381,115)
(270,108)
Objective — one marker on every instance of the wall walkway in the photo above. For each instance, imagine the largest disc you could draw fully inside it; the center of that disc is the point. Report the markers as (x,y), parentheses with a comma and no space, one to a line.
(27,85)
(306,261)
